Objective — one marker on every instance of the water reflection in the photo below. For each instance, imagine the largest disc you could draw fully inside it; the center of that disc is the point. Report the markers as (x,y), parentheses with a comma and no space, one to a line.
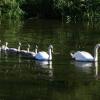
(84,66)
(25,69)
(87,67)
(22,78)
(96,71)
(44,64)
(45,69)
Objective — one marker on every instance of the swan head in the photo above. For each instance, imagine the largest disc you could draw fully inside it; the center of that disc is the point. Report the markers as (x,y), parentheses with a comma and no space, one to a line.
(51,47)
(98,45)
(36,47)
(19,43)
(28,48)
(6,43)
(28,45)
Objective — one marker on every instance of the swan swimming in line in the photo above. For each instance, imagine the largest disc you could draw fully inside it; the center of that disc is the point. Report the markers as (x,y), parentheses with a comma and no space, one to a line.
(21,51)
(44,55)
(85,56)
(28,53)
(14,50)
(4,47)
(31,54)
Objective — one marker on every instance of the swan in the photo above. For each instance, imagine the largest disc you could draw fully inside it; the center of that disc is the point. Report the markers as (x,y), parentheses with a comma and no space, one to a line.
(31,54)
(18,50)
(22,52)
(85,56)
(14,50)
(44,55)
(5,47)
(28,53)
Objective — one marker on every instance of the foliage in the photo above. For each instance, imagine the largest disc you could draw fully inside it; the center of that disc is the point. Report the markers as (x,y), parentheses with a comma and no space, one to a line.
(11,8)
(70,9)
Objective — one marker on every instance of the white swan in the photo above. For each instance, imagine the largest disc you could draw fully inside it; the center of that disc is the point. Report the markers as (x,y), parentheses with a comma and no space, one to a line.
(27,53)
(14,50)
(5,47)
(44,55)
(22,52)
(31,54)
(85,56)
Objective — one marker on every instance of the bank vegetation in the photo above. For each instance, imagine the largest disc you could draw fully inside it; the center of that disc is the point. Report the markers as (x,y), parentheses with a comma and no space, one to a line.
(66,10)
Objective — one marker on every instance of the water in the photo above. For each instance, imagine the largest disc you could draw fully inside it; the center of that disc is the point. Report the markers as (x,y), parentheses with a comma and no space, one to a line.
(63,78)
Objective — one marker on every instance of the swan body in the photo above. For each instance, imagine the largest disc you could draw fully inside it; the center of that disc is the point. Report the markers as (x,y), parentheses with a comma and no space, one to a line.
(82,56)
(12,50)
(44,55)
(31,54)
(85,56)
(23,52)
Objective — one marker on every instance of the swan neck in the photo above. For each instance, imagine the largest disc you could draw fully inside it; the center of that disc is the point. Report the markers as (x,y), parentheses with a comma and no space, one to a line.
(35,50)
(50,54)
(28,50)
(96,52)
(6,44)
(18,48)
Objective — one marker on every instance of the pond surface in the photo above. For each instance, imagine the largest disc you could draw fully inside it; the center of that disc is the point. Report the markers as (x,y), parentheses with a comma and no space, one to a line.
(62,79)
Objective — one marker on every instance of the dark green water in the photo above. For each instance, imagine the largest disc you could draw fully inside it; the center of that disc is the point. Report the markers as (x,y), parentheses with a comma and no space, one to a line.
(64,79)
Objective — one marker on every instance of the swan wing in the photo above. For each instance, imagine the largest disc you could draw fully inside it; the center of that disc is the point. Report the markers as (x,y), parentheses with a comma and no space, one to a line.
(83,56)
(30,54)
(42,56)
(12,49)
